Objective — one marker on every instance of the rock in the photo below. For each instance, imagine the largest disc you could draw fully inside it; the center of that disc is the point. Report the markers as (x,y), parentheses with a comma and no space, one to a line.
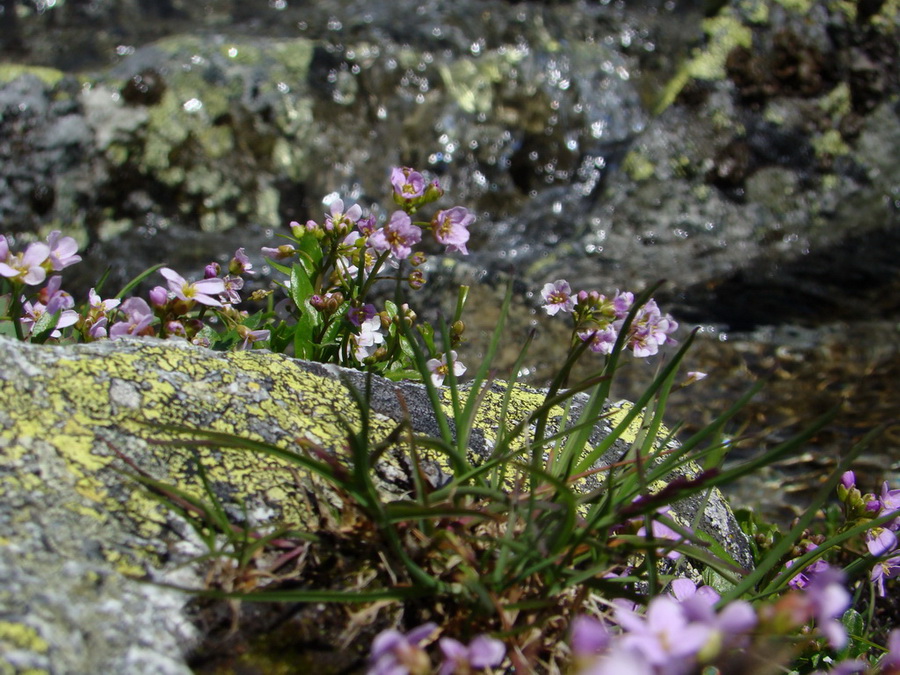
(76,534)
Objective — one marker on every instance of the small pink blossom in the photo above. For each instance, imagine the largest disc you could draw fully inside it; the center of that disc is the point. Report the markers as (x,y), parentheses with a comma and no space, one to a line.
(394,653)
(251,336)
(138,318)
(232,284)
(27,267)
(602,340)
(407,183)
(881,542)
(34,312)
(199,291)
(159,296)
(63,251)
(340,220)
(398,236)
(283,252)
(650,329)
(240,263)
(451,228)
(101,305)
(482,652)
(557,297)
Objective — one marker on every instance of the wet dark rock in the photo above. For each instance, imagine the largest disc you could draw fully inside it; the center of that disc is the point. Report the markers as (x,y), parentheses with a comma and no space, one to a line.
(144,88)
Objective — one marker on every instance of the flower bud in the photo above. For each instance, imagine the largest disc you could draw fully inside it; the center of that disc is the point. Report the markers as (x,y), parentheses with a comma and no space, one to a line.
(212,270)
(334,302)
(417,258)
(175,328)
(416,279)
(433,192)
(159,296)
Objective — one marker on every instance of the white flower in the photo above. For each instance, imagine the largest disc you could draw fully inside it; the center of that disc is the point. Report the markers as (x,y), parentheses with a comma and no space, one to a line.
(439,369)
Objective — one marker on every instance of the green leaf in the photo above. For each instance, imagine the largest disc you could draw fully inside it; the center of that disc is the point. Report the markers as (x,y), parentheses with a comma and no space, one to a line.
(45,325)
(310,249)
(301,291)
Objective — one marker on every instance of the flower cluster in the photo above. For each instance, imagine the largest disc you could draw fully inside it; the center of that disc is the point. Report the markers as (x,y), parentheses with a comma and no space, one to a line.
(44,309)
(339,261)
(394,653)
(332,265)
(679,631)
(600,319)
(881,540)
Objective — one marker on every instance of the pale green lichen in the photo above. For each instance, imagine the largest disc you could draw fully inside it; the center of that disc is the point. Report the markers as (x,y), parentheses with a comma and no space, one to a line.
(638,167)
(11,71)
(20,636)
(723,32)
(837,102)
(797,6)
(830,143)
(756,11)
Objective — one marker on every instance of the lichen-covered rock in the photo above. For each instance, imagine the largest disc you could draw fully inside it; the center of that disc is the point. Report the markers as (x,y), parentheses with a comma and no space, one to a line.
(75,532)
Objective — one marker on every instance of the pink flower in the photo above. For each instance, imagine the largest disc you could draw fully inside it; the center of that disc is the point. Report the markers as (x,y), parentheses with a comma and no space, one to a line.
(880,543)
(199,291)
(33,312)
(281,253)
(451,228)
(482,652)
(398,236)
(251,336)
(27,267)
(408,184)
(232,285)
(101,306)
(62,251)
(602,340)
(240,263)
(558,297)
(339,220)
(650,329)
(589,636)
(665,636)
(138,318)
(827,601)
(159,296)
(359,315)
(394,653)
(622,302)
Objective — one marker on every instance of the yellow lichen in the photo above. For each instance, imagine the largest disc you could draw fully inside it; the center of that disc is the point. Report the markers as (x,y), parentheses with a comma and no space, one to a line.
(21,636)
(637,166)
